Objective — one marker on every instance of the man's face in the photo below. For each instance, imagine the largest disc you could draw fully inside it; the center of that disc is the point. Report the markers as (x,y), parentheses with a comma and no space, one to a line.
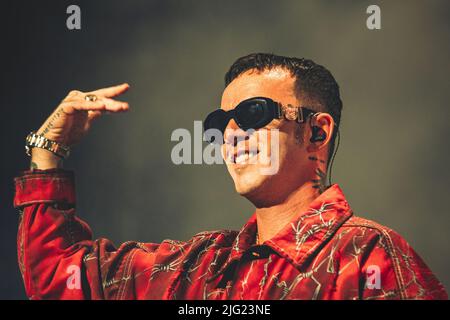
(292,156)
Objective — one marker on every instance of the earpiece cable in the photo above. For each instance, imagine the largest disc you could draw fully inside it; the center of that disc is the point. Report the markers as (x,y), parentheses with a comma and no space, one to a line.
(334,154)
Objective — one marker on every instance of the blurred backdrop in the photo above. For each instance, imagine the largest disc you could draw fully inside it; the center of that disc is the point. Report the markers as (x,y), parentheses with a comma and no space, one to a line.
(394,85)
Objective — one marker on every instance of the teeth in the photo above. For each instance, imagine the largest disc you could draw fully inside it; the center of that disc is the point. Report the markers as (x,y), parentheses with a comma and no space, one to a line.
(244,156)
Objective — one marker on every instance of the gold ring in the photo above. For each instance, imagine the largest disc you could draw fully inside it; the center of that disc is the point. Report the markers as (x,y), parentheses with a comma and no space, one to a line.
(91,97)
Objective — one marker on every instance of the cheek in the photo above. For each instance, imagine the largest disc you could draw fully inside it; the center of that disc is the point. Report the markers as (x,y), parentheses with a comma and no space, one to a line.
(289,135)
(291,152)
(285,149)
(272,139)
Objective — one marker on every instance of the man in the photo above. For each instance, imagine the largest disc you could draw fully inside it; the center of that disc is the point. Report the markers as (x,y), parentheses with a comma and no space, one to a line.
(302,242)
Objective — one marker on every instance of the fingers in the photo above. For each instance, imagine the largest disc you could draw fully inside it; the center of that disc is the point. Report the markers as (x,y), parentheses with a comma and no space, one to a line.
(70,107)
(102,104)
(92,115)
(115,105)
(76,101)
(111,92)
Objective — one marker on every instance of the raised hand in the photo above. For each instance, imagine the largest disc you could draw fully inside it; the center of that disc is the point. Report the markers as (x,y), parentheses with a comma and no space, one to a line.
(72,119)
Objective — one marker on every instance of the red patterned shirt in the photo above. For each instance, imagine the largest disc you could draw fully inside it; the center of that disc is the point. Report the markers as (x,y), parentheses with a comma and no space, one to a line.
(325,252)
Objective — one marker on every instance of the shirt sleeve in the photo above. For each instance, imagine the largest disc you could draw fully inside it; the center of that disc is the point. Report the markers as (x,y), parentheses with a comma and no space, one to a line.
(393,270)
(57,257)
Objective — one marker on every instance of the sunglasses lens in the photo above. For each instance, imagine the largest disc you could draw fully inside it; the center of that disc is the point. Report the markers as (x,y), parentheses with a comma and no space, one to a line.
(214,122)
(251,114)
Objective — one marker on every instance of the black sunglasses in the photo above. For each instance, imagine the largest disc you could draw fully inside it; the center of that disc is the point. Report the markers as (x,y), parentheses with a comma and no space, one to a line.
(253,113)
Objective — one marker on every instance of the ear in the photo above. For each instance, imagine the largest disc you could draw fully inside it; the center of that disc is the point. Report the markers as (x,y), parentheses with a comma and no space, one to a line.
(325,127)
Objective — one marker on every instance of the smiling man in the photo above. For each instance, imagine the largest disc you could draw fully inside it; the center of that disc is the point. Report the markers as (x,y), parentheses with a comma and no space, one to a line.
(302,242)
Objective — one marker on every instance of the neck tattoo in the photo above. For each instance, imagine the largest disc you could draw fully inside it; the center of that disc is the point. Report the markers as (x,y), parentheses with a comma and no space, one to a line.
(320,182)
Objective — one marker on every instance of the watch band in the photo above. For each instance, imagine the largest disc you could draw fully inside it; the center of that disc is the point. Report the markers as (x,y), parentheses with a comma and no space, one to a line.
(35,140)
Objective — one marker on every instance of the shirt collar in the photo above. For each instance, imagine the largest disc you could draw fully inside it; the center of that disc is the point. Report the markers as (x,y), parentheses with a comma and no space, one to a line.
(302,236)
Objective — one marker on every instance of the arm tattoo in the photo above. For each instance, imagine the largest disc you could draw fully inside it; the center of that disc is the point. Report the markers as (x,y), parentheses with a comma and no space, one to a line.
(33,166)
(52,119)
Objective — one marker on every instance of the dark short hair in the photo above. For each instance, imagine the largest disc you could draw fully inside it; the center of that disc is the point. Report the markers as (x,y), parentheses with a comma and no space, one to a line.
(313,82)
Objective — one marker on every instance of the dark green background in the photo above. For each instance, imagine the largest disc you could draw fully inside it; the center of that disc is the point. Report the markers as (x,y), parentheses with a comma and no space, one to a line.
(392,162)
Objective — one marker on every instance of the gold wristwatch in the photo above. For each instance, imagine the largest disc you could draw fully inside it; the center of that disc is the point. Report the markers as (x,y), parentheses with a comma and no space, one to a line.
(35,140)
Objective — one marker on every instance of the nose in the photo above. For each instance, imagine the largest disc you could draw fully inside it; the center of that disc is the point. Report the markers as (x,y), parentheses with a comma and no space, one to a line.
(233,134)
